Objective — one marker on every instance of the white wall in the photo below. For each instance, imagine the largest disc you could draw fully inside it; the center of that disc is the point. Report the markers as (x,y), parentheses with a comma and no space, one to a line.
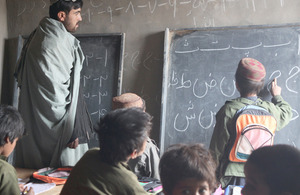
(3,35)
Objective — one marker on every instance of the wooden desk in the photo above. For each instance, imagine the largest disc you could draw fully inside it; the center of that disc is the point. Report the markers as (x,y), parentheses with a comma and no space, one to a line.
(25,173)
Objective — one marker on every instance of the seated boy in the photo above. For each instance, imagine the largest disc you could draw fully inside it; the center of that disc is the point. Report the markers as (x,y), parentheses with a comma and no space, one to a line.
(187,169)
(145,165)
(11,129)
(273,170)
(122,136)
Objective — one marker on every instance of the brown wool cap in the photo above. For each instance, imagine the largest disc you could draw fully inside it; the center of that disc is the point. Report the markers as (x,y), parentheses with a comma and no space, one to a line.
(127,100)
(251,69)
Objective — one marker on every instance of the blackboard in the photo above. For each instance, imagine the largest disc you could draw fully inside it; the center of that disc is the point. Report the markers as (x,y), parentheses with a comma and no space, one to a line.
(198,77)
(101,74)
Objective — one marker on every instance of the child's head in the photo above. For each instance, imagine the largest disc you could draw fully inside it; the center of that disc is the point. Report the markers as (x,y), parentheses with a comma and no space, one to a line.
(128,100)
(250,76)
(11,128)
(187,169)
(273,170)
(123,134)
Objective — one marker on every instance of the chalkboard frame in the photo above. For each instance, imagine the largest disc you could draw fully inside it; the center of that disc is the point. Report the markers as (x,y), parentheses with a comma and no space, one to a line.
(13,48)
(169,33)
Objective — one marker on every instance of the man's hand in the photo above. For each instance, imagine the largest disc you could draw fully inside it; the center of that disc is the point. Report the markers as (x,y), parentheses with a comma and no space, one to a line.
(275,90)
(74,144)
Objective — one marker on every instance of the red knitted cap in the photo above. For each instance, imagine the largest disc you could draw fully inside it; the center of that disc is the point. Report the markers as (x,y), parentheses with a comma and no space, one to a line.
(251,69)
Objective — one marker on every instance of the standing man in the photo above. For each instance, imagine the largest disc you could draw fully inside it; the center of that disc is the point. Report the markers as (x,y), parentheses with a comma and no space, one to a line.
(50,100)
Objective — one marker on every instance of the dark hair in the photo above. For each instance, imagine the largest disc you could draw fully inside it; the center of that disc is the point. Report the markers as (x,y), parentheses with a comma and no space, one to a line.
(65,6)
(247,86)
(122,131)
(11,124)
(182,161)
(280,167)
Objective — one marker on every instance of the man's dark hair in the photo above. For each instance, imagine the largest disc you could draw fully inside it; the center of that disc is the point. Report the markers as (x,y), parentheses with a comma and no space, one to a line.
(65,6)
(183,161)
(247,86)
(122,131)
(11,124)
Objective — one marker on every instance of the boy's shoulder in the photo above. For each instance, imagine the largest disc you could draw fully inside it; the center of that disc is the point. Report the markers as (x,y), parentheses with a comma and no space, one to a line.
(241,102)
(5,167)
(232,106)
(9,179)
(235,104)
(91,155)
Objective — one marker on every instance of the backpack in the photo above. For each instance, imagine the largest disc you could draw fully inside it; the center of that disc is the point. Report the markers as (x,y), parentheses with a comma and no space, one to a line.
(254,127)
(53,175)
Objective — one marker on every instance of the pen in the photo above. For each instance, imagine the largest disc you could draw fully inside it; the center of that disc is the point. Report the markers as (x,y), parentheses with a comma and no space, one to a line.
(25,191)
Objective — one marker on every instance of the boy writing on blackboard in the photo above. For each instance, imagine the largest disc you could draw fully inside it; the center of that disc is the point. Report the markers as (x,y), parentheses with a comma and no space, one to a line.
(250,75)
